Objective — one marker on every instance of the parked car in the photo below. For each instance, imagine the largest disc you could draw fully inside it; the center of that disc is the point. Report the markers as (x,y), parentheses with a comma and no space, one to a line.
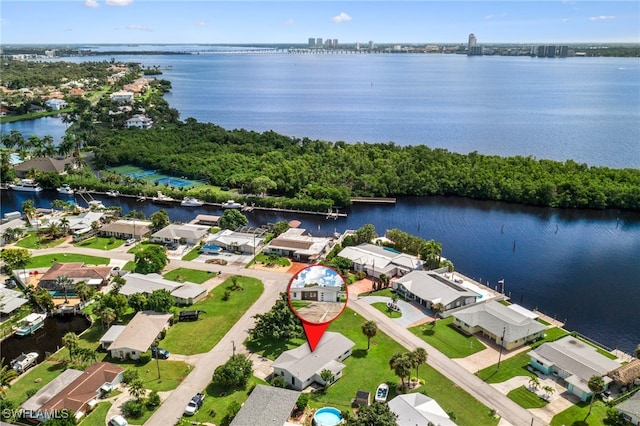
(118,421)
(159,353)
(130,241)
(194,405)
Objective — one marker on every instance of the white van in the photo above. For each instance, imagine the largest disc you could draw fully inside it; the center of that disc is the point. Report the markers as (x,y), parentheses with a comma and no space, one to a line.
(118,421)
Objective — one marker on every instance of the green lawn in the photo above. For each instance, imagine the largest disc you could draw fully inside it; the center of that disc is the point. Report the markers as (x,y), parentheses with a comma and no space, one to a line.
(218,399)
(382,307)
(268,259)
(98,416)
(31,242)
(296,304)
(512,367)
(218,318)
(193,254)
(47,260)
(35,379)
(386,292)
(129,266)
(100,243)
(574,415)
(447,339)
(551,334)
(525,398)
(192,275)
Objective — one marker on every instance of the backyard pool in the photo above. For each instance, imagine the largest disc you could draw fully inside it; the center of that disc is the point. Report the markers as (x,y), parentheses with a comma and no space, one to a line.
(327,416)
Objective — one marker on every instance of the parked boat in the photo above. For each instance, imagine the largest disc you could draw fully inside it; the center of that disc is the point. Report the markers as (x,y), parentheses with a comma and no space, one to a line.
(191,202)
(25,361)
(26,185)
(382,392)
(30,323)
(113,193)
(230,204)
(65,189)
(161,198)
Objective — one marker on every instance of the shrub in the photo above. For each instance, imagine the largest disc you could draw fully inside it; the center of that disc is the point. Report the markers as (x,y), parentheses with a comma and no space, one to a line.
(31,392)
(153,400)
(278,382)
(129,376)
(132,409)
(226,296)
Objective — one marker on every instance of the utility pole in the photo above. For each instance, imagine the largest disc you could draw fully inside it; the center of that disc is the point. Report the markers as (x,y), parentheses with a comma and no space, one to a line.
(504,331)
(233,343)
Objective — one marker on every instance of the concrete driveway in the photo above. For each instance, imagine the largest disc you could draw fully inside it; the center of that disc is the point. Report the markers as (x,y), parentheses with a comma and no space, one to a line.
(411,314)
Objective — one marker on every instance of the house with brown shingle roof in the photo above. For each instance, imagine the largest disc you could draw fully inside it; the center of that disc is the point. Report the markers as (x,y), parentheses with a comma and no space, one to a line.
(626,375)
(74,390)
(43,164)
(95,276)
(125,229)
(137,338)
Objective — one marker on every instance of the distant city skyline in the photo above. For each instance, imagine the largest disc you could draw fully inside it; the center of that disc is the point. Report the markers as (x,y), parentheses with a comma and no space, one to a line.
(271,22)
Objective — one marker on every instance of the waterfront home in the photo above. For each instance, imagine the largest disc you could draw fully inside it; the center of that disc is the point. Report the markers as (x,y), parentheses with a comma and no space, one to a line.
(77,391)
(315,293)
(377,260)
(186,293)
(175,233)
(138,121)
(630,409)
(56,104)
(418,409)
(242,242)
(125,229)
(44,165)
(122,97)
(430,288)
(138,336)
(300,367)
(295,244)
(14,224)
(267,404)
(207,219)
(81,223)
(627,375)
(111,335)
(10,300)
(510,328)
(575,362)
(94,276)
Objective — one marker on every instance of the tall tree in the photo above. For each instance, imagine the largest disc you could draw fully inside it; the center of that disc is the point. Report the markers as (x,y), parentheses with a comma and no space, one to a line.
(64,283)
(233,219)
(71,341)
(376,414)
(431,253)
(83,291)
(159,220)
(137,389)
(7,374)
(151,259)
(160,301)
(401,365)
(369,329)
(107,316)
(366,234)
(15,258)
(418,357)
(234,373)
(278,323)
(596,386)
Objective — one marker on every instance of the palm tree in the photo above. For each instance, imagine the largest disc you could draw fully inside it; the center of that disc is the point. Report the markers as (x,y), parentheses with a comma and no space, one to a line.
(419,357)
(437,309)
(431,253)
(7,374)
(401,365)
(71,340)
(53,230)
(83,290)
(534,382)
(137,390)
(369,329)
(108,315)
(64,223)
(549,390)
(596,386)
(64,282)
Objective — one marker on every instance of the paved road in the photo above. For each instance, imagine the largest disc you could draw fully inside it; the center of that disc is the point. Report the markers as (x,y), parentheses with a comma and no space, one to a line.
(492,398)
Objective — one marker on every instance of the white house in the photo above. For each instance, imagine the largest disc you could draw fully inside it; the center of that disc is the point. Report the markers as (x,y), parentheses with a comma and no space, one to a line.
(315,293)
(56,104)
(429,288)
(173,233)
(300,367)
(295,244)
(186,293)
(418,409)
(377,260)
(630,409)
(138,121)
(122,97)
(139,335)
(242,242)
(12,224)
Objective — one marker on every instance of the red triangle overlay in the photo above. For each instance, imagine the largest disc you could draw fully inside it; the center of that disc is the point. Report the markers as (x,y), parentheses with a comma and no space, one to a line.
(314,332)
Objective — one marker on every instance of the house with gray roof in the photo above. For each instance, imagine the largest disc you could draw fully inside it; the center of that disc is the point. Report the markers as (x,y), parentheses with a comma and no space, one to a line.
(173,233)
(377,260)
(430,288)
(186,293)
(573,361)
(267,405)
(243,242)
(111,335)
(630,409)
(139,335)
(11,224)
(10,300)
(418,409)
(295,243)
(300,367)
(509,328)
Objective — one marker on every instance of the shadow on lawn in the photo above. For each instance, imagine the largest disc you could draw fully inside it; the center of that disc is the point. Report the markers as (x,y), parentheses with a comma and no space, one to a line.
(359,353)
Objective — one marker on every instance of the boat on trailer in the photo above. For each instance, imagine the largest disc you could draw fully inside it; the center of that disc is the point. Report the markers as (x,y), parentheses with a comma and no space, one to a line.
(382,392)
(25,361)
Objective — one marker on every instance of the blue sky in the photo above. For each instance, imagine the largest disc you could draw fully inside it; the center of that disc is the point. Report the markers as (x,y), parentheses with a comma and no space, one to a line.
(317,275)
(227,22)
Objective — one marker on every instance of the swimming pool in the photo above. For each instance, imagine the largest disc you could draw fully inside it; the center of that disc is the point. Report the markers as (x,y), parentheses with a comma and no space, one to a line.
(327,416)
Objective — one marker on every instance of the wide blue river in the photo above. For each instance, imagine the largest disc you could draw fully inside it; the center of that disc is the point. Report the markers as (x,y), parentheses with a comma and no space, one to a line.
(582,267)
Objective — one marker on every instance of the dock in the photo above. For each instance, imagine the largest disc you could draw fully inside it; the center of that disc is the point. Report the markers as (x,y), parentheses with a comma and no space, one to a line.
(373,200)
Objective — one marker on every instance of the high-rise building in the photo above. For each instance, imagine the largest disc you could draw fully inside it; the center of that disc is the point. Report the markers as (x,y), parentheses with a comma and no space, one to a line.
(371,45)
(312,42)
(335,43)
(472,46)
(319,42)
(473,42)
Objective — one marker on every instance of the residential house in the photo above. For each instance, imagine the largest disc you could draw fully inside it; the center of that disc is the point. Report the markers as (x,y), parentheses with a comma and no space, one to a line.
(175,233)
(11,224)
(82,223)
(56,104)
(266,405)
(138,336)
(300,367)
(75,390)
(186,293)
(122,97)
(630,409)
(574,361)
(206,219)
(295,244)
(430,288)
(627,375)
(378,260)
(126,228)
(138,121)
(43,164)
(10,300)
(242,242)
(111,335)
(418,409)
(315,293)
(94,276)
(508,327)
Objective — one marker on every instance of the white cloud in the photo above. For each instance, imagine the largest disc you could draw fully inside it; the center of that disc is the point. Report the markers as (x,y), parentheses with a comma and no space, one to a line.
(565,19)
(288,22)
(91,3)
(201,23)
(134,27)
(601,18)
(490,16)
(318,275)
(343,17)
(119,2)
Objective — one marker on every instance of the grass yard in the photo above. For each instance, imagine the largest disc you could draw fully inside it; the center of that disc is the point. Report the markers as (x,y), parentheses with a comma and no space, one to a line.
(296,304)
(574,415)
(366,370)
(386,292)
(218,399)
(512,367)
(193,254)
(35,379)
(447,339)
(272,348)
(31,242)
(47,260)
(100,243)
(525,398)
(98,416)
(220,316)
(270,260)
(192,275)
(550,335)
(382,307)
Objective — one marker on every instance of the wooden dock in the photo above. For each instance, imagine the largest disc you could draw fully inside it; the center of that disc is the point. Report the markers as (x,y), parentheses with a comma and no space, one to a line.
(373,200)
